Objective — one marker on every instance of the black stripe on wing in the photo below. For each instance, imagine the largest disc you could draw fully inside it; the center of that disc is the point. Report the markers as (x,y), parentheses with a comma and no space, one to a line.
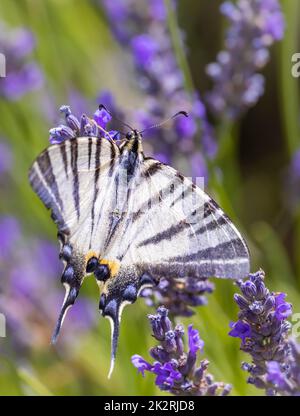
(74,167)
(232,249)
(46,169)
(167,234)
(45,194)
(63,153)
(96,179)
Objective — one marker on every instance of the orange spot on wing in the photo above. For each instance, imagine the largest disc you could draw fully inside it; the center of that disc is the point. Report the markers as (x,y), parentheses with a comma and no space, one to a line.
(114,266)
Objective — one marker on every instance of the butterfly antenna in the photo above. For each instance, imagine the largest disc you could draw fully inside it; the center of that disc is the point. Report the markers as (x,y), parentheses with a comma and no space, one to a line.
(179,113)
(102,107)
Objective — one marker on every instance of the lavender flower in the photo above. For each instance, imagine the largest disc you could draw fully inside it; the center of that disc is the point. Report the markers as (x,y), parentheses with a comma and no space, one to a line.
(262,328)
(175,370)
(83,127)
(284,378)
(254,26)
(22,73)
(179,295)
(9,235)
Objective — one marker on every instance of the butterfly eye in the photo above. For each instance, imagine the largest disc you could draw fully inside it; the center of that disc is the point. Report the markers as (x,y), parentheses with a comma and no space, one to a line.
(102,272)
(91,265)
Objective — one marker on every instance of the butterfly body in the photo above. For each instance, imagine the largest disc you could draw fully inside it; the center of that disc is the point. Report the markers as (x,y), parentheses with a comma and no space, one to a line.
(130,220)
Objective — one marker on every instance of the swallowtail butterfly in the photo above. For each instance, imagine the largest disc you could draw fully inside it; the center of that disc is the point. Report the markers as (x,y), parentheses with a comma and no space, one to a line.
(129,220)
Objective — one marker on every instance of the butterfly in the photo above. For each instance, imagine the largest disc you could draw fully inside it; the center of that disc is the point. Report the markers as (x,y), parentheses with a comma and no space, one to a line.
(130,220)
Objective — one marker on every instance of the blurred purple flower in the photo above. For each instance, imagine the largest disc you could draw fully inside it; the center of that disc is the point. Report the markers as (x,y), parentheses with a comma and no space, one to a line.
(254,26)
(102,117)
(158,10)
(9,236)
(179,295)
(284,378)
(175,370)
(22,73)
(185,127)
(274,375)
(31,294)
(144,49)
(141,28)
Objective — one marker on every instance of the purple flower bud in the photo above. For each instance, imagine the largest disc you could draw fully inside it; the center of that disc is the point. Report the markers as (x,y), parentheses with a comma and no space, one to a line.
(157,329)
(73,122)
(165,321)
(241,301)
(269,303)
(141,364)
(83,122)
(179,332)
(256,307)
(61,133)
(275,375)
(195,342)
(249,289)
(160,354)
(66,110)
(169,341)
(240,329)
(282,308)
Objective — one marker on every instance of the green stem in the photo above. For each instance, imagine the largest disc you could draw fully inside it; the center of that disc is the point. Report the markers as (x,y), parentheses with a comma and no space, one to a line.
(288,84)
(290,99)
(178,47)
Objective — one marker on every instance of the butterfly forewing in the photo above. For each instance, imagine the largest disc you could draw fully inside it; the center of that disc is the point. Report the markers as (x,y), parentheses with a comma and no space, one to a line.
(74,179)
(180,230)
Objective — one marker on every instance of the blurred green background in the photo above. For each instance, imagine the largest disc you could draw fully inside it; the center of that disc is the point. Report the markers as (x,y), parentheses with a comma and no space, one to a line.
(77,52)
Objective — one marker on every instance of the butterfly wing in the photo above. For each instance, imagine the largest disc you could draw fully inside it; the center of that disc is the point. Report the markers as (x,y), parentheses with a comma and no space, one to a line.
(74,179)
(178,230)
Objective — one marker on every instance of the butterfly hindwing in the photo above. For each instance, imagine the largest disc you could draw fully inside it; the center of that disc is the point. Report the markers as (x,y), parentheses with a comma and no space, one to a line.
(74,179)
